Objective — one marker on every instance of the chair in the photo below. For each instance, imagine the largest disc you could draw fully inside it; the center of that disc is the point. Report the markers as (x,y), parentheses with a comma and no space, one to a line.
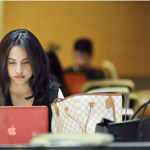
(111,68)
(108,83)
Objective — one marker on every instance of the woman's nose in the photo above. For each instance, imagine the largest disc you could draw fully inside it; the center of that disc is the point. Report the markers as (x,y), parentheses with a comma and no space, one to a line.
(19,70)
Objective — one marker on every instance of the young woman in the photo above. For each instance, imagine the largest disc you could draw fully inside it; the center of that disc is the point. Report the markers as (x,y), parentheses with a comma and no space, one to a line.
(24,73)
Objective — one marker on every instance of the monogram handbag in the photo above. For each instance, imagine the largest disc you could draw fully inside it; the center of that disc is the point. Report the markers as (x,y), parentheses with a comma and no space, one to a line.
(80,113)
(131,130)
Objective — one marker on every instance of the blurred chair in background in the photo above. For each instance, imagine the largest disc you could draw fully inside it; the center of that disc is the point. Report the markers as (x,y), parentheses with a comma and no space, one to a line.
(108,83)
(111,69)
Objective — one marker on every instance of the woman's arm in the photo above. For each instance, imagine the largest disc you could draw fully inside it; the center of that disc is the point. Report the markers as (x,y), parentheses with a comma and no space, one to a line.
(53,128)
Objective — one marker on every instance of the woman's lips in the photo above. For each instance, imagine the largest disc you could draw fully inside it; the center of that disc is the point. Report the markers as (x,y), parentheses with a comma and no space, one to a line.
(19,77)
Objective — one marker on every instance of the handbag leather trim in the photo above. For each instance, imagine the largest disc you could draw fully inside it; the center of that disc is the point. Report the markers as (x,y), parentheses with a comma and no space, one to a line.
(96,93)
(109,104)
(56,108)
(109,101)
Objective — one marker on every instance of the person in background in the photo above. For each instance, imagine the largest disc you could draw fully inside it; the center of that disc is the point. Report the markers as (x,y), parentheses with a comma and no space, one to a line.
(56,70)
(82,60)
(24,73)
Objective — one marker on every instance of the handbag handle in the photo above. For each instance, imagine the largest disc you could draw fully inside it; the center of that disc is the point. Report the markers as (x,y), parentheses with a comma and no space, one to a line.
(91,105)
(56,108)
(144,105)
(139,133)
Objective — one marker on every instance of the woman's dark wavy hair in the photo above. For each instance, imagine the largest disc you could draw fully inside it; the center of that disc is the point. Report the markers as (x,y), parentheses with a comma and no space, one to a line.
(38,60)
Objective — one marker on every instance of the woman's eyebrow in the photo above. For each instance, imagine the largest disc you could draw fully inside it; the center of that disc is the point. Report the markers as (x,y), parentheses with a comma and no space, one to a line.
(12,59)
(15,59)
(24,59)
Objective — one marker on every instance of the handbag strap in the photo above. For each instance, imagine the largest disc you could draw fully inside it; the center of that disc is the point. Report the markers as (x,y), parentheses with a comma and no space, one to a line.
(56,108)
(144,105)
(140,125)
(139,133)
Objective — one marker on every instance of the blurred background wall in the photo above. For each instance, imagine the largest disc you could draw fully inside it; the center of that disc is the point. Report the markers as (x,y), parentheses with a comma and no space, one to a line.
(120,30)
(1,19)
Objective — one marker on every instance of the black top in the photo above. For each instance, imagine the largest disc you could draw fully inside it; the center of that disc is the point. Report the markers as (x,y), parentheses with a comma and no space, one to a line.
(91,74)
(51,95)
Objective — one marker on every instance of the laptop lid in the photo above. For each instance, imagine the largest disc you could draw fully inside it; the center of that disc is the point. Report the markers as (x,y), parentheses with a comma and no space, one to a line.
(18,124)
(74,81)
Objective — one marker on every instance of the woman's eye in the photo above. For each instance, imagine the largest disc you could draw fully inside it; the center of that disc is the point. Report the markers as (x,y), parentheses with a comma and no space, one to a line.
(11,62)
(26,62)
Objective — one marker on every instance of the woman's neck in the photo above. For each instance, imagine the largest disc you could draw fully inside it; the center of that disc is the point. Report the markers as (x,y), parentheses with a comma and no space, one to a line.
(20,89)
(18,94)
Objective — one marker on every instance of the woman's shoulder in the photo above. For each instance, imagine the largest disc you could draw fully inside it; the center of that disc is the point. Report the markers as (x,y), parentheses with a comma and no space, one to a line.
(53,85)
(52,91)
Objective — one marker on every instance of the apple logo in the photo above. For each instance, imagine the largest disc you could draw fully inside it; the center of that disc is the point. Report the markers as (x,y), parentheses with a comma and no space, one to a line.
(11,131)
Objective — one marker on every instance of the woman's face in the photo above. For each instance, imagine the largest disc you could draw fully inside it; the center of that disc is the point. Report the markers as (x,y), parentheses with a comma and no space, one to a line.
(18,66)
